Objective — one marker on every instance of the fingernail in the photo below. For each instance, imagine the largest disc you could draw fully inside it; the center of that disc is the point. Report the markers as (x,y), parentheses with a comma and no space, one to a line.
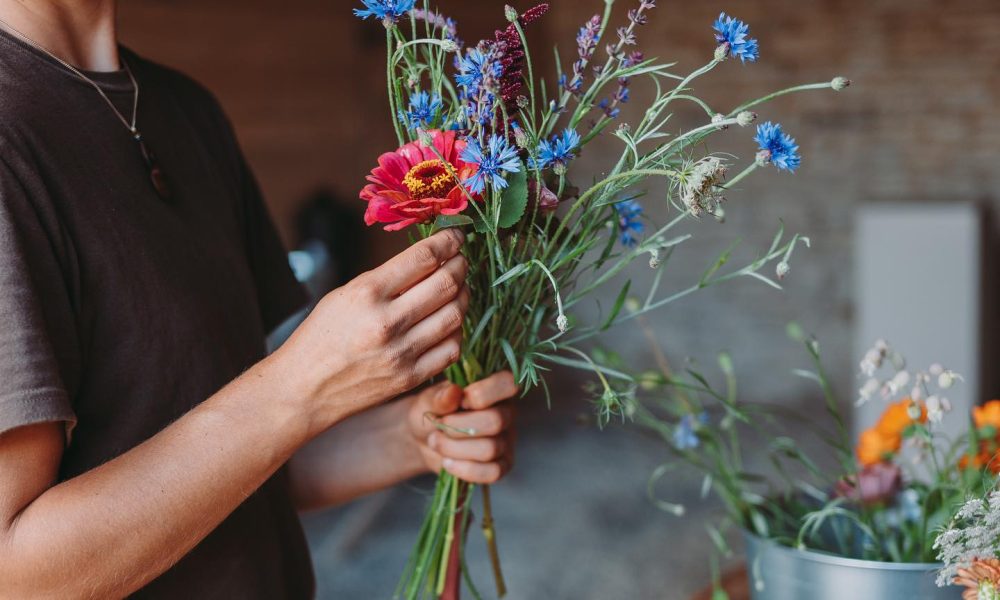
(432,440)
(447,463)
(471,431)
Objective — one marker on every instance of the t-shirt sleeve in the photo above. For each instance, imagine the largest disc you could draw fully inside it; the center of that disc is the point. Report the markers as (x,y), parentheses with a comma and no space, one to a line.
(34,307)
(279,294)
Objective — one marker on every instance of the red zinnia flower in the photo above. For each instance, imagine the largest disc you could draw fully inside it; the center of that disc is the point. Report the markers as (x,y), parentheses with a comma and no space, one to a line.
(412,185)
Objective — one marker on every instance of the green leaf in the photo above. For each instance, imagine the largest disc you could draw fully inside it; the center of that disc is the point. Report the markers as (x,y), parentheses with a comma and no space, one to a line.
(759,523)
(718,264)
(480,224)
(482,325)
(515,271)
(511,359)
(584,366)
(717,540)
(445,221)
(619,302)
(514,198)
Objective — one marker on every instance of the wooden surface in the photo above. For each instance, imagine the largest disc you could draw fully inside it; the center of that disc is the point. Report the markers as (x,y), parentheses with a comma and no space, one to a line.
(735,582)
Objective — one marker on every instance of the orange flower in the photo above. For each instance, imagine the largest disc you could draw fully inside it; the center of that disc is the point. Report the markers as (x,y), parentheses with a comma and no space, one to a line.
(896,418)
(987,414)
(875,447)
(983,459)
(980,580)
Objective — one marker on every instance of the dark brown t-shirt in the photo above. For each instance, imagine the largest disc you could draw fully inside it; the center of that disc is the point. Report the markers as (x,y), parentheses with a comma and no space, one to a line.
(119,312)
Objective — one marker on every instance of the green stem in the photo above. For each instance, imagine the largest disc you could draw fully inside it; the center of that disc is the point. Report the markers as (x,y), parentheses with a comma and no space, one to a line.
(798,88)
(449,536)
(390,81)
(491,543)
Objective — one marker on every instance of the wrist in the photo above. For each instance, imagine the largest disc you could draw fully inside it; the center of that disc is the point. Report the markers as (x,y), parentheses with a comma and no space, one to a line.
(290,401)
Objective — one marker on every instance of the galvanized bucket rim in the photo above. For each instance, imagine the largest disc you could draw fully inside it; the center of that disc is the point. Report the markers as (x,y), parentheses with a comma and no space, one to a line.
(857,563)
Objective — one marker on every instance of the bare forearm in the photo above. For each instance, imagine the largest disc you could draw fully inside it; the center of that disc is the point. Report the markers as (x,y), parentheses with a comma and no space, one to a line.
(109,531)
(366,453)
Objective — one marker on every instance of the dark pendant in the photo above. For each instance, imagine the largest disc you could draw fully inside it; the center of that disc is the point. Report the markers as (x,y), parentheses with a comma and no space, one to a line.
(156,175)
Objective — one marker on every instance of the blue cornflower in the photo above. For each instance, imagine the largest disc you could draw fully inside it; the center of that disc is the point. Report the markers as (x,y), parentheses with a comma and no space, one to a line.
(423,110)
(629,223)
(556,151)
(733,32)
(498,156)
(685,436)
(388,11)
(474,66)
(777,147)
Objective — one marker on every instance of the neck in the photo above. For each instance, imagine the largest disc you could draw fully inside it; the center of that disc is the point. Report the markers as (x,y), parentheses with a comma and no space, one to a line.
(80,32)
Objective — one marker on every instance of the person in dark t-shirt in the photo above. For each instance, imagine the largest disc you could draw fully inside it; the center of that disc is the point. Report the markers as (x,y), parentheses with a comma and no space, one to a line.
(148,446)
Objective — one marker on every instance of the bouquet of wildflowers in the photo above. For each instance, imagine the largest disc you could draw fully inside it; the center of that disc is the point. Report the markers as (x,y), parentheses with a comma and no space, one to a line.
(486,144)
(884,500)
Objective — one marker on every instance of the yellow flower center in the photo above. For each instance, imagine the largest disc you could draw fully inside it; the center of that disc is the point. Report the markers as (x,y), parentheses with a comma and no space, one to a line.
(428,179)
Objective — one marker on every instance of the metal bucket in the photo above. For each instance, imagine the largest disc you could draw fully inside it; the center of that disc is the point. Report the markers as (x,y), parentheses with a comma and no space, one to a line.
(781,573)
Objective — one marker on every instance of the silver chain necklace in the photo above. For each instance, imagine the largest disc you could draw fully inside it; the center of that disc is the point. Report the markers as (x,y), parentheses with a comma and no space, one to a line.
(156,175)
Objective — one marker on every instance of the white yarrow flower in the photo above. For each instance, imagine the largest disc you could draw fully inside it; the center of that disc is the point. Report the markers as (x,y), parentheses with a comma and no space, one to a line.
(947,378)
(899,381)
(935,409)
(866,391)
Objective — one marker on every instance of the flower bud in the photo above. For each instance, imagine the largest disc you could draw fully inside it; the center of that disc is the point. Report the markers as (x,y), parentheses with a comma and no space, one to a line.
(424,137)
(522,101)
(720,214)
(917,393)
(654,258)
(913,411)
(650,380)
(935,369)
(632,304)
(562,323)
(520,137)
(721,52)
(449,46)
(782,269)
(762,158)
(745,118)
(718,118)
(510,13)
(946,379)
(839,83)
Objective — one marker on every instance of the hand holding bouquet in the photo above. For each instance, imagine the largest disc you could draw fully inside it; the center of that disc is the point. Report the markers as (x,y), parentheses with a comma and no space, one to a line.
(485,145)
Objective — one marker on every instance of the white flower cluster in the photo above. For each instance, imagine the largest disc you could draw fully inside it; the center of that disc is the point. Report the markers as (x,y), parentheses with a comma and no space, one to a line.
(974,533)
(880,355)
(698,186)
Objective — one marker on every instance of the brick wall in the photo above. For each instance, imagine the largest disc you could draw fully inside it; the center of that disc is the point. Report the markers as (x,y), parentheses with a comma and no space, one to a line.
(303,83)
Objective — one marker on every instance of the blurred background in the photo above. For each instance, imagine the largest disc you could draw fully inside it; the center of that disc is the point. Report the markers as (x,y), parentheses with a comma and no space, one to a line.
(897,189)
